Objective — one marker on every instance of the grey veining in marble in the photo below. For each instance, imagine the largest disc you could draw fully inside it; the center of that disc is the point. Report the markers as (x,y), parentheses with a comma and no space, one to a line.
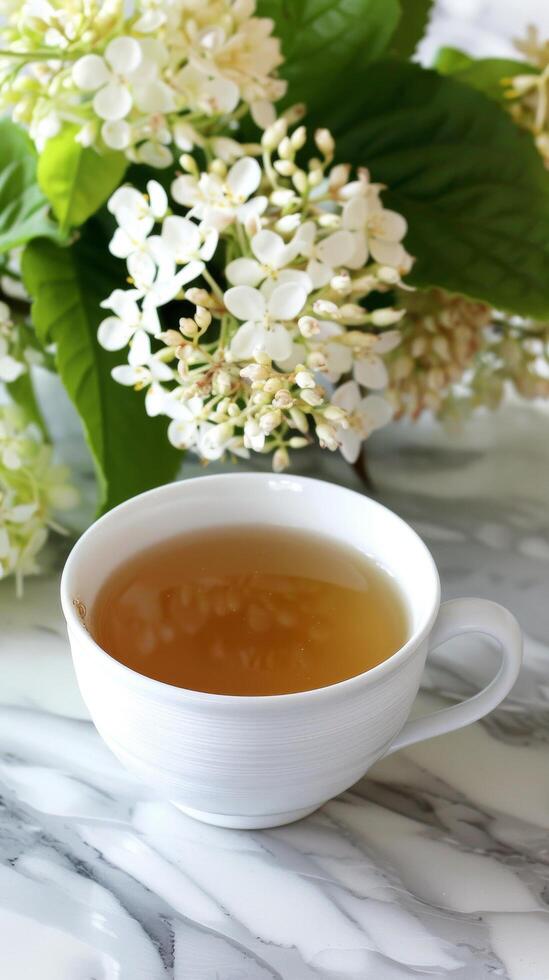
(435,865)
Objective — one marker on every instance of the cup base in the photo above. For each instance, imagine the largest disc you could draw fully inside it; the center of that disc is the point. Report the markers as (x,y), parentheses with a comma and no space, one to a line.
(241,822)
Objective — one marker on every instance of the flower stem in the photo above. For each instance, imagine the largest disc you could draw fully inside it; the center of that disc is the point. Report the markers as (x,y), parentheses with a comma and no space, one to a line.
(212,284)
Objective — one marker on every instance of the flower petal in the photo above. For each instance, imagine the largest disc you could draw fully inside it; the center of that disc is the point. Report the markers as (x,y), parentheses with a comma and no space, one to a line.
(388,341)
(121,244)
(181,236)
(112,102)
(90,73)
(244,272)
(210,242)
(390,225)
(387,253)
(140,349)
(10,369)
(155,400)
(252,208)
(304,238)
(286,275)
(181,433)
(349,444)
(287,301)
(360,253)
(340,360)
(142,269)
(336,249)
(278,343)
(319,273)
(126,198)
(245,303)
(355,213)
(244,177)
(153,97)
(113,333)
(158,198)
(347,396)
(268,248)
(125,374)
(116,134)
(248,338)
(123,54)
(370,371)
(263,113)
(375,411)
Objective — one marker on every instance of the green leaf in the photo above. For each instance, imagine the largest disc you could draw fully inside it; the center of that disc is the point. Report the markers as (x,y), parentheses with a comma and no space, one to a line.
(469,182)
(324,39)
(22,392)
(131,451)
(411,27)
(486,74)
(23,207)
(76,179)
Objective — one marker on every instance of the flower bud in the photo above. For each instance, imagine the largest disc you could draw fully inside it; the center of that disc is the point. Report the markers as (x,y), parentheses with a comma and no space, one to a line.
(299,138)
(299,420)
(316,361)
(222,383)
(283,399)
(274,134)
(325,308)
(339,175)
(283,197)
(327,436)
(252,225)
(269,421)
(325,142)
(254,372)
(312,397)
(284,167)
(329,220)
(297,442)
(233,410)
(189,164)
(308,326)
(272,385)
(172,338)
(281,460)
(304,379)
(260,398)
(285,149)
(288,223)
(315,177)
(300,181)
(254,438)
(200,297)
(384,318)
(341,283)
(218,168)
(188,326)
(203,317)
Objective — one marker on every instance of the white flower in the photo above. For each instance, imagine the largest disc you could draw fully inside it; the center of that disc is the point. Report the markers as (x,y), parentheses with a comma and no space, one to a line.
(368,368)
(10,368)
(184,425)
(263,329)
(185,240)
(377,231)
(121,78)
(115,332)
(272,254)
(364,415)
(136,215)
(325,255)
(214,439)
(209,95)
(219,202)
(145,369)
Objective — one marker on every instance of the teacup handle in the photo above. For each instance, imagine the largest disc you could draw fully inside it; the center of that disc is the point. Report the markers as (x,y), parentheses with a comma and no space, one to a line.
(469,616)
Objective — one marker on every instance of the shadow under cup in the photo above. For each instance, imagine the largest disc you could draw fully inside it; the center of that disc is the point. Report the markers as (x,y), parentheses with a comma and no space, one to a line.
(246,761)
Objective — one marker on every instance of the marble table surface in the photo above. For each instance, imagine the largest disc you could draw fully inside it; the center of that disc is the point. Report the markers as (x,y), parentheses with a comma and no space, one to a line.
(434,865)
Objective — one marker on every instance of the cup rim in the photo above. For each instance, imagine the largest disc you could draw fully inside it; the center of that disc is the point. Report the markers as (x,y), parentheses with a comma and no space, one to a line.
(371,674)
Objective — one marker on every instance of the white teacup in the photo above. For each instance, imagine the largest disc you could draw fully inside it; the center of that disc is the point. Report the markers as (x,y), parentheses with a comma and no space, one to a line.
(264,761)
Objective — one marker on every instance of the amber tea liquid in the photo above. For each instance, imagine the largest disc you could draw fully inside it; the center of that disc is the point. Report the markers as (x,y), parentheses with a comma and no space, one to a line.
(249,611)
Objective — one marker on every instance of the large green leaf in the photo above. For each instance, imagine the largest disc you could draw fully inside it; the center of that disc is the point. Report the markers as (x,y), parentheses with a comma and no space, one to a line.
(485,74)
(324,39)
(470,183)
(76,179)
(23,207)
(131,451)
(411,27)
(22,393)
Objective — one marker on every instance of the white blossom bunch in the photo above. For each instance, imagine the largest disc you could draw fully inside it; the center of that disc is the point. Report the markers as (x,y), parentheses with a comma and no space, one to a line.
(137,79)
(275,343)
(32,489)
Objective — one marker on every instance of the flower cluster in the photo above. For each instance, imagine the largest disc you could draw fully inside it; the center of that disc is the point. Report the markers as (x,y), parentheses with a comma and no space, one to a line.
(163,72)
(283,258)
(32,489)
(528,94)
(457,355)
